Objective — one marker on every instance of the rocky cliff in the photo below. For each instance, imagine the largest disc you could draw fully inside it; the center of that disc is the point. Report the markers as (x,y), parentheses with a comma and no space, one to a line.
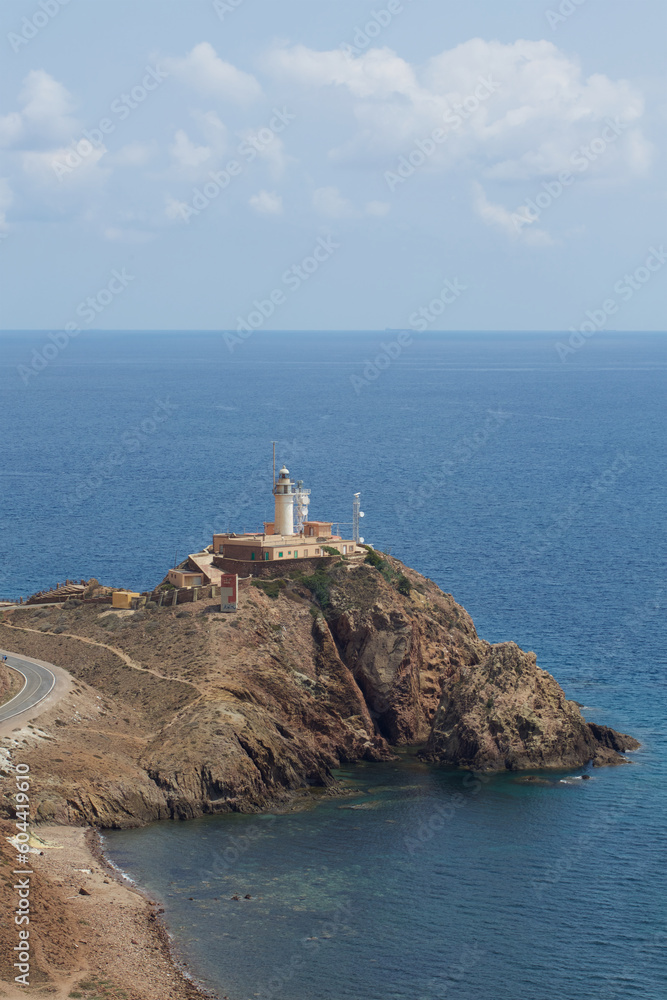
(182,711)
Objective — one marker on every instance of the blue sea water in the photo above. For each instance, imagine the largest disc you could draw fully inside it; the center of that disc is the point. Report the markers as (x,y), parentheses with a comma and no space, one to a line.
(531,488)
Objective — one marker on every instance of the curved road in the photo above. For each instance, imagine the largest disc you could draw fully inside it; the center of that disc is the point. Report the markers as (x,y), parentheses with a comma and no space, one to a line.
(39,682)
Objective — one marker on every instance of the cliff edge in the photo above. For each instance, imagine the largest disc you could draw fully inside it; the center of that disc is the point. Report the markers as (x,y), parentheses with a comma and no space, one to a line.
(182,711)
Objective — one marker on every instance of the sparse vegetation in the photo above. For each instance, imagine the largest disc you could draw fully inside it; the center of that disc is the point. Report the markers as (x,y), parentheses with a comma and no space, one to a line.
(376,560)
(373,558)
(330,550)
(271,588)
(404,585)
(318,583)
(97,988)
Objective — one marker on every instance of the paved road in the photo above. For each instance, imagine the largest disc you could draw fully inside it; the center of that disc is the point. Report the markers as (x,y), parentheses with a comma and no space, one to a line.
(39,682)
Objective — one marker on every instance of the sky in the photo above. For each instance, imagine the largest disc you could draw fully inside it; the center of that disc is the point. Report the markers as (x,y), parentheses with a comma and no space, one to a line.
(333,164)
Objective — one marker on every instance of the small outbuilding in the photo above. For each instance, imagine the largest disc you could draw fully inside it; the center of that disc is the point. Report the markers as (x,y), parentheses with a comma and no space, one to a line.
(185,578)
(123,598)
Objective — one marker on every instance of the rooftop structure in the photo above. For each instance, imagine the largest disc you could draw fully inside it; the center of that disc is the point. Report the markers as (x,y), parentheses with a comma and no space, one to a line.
(290,536)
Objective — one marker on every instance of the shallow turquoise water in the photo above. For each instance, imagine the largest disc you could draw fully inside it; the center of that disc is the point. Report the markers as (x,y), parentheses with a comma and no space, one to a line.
(435,884)
(550,530)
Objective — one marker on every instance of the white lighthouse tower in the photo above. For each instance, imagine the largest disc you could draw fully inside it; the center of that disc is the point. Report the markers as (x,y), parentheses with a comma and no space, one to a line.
(283,492)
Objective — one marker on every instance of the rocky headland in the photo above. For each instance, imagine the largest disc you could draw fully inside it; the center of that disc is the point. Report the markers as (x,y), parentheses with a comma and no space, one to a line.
(177,712)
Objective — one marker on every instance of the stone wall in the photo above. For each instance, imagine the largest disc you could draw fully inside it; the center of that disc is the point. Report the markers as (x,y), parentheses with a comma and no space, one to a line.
(276,567)
(184,595)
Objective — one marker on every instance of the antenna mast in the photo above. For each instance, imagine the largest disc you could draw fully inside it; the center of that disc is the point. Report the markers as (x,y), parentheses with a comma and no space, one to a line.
(274,463)
(356,514)
(302,498)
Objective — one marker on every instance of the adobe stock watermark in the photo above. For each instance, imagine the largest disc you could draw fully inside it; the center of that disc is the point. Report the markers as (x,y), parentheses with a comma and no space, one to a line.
(420,321)
(246,503)
(451,977)
(454,117)
(367,33)
(565,9)
(94,139)
(388,352)
(582,158)
(293,278)
(247,151)
(634,969)
(462,452)
(561,524)
(225,7)
(626,287)
(130,442)
(31,26)
(423,317)
(303,957)
(87,310)
(560,868)
(21,843)
(445,811)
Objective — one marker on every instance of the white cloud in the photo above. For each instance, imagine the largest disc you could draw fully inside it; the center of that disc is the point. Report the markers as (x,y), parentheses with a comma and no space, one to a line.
(190,158)
(44,116)
(134,154)
(267,203)
(510,111)
(55,170)
(213,130)
(118,234)
(330,202)
(184,152)
(50,178)
(11,129)
(204,71)
(175,209)
(51,184)
(6,199)
(379,73)
(378,208)
(510,223)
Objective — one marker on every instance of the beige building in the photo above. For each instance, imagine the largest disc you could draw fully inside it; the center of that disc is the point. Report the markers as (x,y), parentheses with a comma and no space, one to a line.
(282,539)
(269,547)
(186,578)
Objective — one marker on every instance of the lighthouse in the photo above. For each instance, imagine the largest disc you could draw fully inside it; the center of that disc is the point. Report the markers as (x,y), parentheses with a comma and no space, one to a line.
(290,536)
(283,492)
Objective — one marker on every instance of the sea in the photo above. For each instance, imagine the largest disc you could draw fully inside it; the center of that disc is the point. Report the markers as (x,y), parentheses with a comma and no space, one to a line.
(527,480)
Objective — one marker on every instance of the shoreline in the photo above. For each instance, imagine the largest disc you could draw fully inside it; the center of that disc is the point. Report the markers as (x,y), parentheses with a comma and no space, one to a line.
(94,842)
(117,941)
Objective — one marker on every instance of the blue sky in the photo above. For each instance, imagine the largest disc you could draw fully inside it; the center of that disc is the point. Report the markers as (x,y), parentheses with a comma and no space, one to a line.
(332,164)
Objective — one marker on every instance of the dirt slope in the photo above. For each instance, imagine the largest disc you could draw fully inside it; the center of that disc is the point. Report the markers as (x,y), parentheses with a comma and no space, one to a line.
(182,711)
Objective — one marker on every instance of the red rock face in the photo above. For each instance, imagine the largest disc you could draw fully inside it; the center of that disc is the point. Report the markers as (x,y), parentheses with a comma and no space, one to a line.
(505,713)
(182,711)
